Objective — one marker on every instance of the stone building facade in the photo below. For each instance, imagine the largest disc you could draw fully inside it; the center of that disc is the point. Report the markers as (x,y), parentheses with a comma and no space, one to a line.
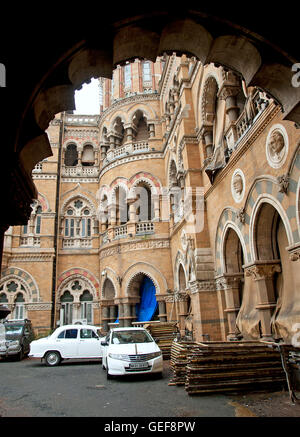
(186,177)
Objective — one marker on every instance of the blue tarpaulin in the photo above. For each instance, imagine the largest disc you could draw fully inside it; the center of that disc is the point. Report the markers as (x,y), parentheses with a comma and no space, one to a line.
(148,303)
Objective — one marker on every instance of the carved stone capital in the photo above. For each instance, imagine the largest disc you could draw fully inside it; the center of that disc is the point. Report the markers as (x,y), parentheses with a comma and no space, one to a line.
(263,270)
(228,281)
(228,91)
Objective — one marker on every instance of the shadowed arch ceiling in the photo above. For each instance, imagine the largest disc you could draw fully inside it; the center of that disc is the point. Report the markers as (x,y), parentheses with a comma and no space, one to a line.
(54,59)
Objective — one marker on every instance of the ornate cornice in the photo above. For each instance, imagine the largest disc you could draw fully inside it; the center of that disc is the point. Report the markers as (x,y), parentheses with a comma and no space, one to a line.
(39,306)
(177,296)
(137,157)
(202,286)
(133,246)
(31,257)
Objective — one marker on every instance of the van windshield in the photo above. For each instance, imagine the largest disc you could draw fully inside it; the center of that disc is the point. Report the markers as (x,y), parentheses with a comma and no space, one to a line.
(13,329)
(124,337)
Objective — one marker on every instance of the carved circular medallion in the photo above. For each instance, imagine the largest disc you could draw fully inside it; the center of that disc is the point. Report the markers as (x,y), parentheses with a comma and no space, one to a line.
(238,185)
(277,146)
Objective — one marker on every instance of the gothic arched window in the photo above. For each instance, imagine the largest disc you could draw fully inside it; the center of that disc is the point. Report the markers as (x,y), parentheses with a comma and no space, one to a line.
(77,226)
(71,155)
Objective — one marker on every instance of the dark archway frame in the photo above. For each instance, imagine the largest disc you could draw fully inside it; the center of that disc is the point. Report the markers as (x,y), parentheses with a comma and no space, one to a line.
(252,43)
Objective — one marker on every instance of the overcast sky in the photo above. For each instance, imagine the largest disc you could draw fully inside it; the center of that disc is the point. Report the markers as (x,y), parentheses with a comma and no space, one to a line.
(87,99)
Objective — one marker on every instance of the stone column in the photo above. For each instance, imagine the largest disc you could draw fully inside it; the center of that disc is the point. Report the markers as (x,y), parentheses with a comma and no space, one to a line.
(262,273)
(112,313)
(105,317)
(111,142)
(129,135)
(206,316)
(232,109)
(230,285)
(156,208)
(79,158)
(207,135)
(132,210)
(121,315)
(228,92)
(112,214)
(127,314)
(103,152)
(133,312)
(151,130)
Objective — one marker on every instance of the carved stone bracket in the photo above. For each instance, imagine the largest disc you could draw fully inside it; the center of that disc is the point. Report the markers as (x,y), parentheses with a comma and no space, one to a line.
(283,182)
(241,215)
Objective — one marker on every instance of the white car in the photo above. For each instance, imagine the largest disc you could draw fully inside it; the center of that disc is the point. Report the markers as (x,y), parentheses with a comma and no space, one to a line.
(130,351)
(66,342)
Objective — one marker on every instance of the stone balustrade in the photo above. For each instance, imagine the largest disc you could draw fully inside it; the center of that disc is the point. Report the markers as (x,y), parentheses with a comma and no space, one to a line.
(75,243)
(127,230)
(80,171)
(125,150)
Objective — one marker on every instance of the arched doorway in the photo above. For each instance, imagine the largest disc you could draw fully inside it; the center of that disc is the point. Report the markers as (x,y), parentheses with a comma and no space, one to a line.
(233,280)
(109,307)
(272,274)
(143,289)
(147,308)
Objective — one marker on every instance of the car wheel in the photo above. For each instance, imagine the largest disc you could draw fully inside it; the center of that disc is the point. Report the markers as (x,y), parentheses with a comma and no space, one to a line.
(52,358)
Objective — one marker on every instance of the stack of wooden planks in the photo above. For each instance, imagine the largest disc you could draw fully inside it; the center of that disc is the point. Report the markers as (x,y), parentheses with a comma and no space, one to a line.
(216,367)
(178,362)
(164,333)
(223,367)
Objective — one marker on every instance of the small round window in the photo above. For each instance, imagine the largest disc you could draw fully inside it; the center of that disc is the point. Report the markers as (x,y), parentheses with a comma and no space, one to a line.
(86,212)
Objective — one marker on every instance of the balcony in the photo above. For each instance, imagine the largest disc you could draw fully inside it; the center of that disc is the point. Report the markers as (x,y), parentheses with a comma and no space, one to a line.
(128,230)
(126,150)
(75,119)
(80,171)
(30,241)
(144,228)
(76,243)
(241,126)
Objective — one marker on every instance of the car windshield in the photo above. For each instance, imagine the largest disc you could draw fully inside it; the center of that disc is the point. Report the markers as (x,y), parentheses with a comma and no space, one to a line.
(124,337)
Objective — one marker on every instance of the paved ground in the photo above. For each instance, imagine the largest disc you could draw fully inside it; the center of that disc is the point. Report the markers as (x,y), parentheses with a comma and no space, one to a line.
(75,389)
